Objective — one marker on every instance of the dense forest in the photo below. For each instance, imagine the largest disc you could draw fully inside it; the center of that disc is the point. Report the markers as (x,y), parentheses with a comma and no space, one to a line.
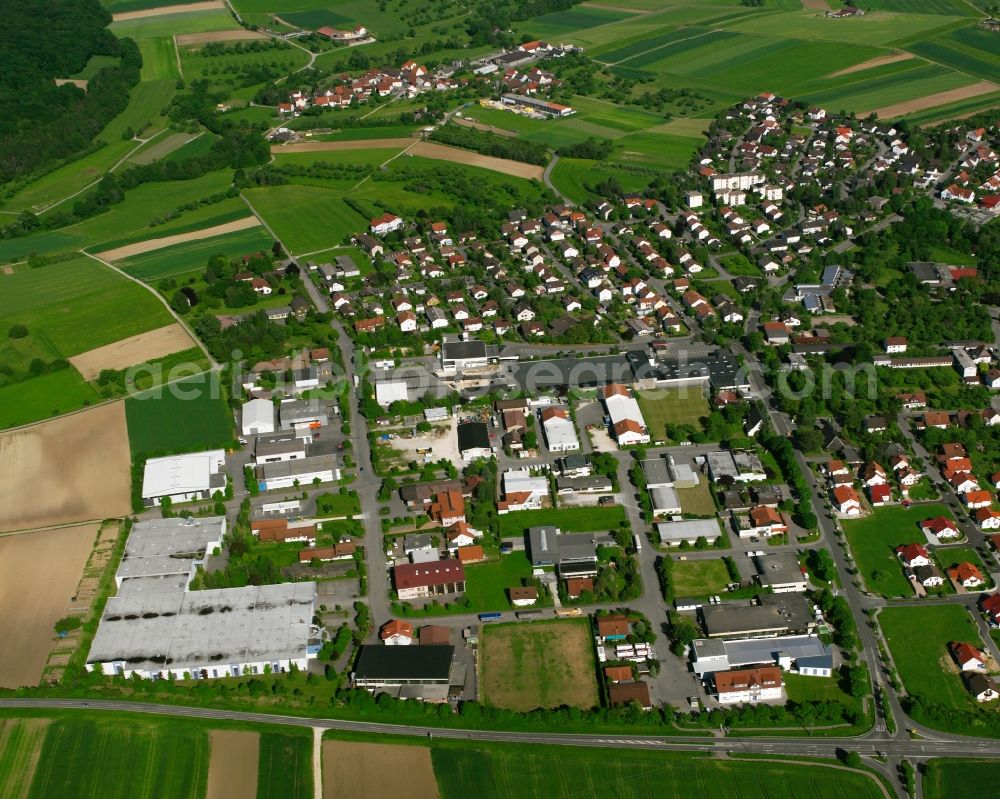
(40,122)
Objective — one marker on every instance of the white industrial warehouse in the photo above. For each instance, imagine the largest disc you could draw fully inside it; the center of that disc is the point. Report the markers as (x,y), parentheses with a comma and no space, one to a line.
(184,478)
(155,627)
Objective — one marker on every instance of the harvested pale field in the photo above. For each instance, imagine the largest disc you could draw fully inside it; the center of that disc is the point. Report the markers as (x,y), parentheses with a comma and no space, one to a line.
(206,5)
(232,769)
(149,245)
(372,771)
(132,350)
(80,83)
(871,63)
(8,270)
(20,747)
(503,165)
(217,36)
(933,100)
(39,573)
(335,146)
(816,5)
(73,468)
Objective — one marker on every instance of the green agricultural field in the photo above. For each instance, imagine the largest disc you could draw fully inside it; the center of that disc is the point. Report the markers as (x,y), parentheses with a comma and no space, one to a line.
(284,770)
(879,29)
(77,305)
(487,583)
(306,218)
(130,221)
(20,742)
(973,51)
(42,397)
(903,85)
(512,771)
(948,777)
(121,6)
(947,7)
(699,577)
(159,59)
(941,113)
(661,407)
(182,417)
(928,669)
(194,255)
(875,538)
(222,70)
(657,150)
(569,520)
(164,145)
(144,759)
(167,25)
(554,25)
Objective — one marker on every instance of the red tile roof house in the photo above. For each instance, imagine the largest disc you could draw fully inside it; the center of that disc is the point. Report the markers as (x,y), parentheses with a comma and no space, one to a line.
(939,526)
(612,628)
(990,605)
(420,580)
(879,495)
(575,586)
(966,574)
(396,633)
(846,501)
(913,555)
(967,656)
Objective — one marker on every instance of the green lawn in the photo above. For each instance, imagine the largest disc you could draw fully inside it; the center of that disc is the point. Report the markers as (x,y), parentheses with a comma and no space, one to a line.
(487,583)
(512,771)
(699,577)
(569,520)
(194,255)
(875,538)
(697,500)
(147,759)
(284,770)
(576,177)
(183,417)
(918,639)
(815,689)
(948,777)
(41,397)
(328,504)
(661,407)
(950,556)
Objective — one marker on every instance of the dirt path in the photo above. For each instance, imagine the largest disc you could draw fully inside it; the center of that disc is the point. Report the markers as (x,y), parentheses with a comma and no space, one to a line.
(206,5)
(132,350)
(871,63)
(337,146)
(932,100)
(441,152)
(38,574)
(232,768)
(150,245)
(217,36)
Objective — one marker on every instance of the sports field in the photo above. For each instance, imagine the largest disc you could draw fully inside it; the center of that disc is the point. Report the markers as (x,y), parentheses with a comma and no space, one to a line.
(147,759)
(181,417)
(672,406)
(875,538)
(511,771)
(928,669)
(541,664)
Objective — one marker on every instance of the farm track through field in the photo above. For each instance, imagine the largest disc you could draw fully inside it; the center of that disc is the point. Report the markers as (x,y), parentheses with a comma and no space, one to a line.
(206,5)
(149,245)
(871,63)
